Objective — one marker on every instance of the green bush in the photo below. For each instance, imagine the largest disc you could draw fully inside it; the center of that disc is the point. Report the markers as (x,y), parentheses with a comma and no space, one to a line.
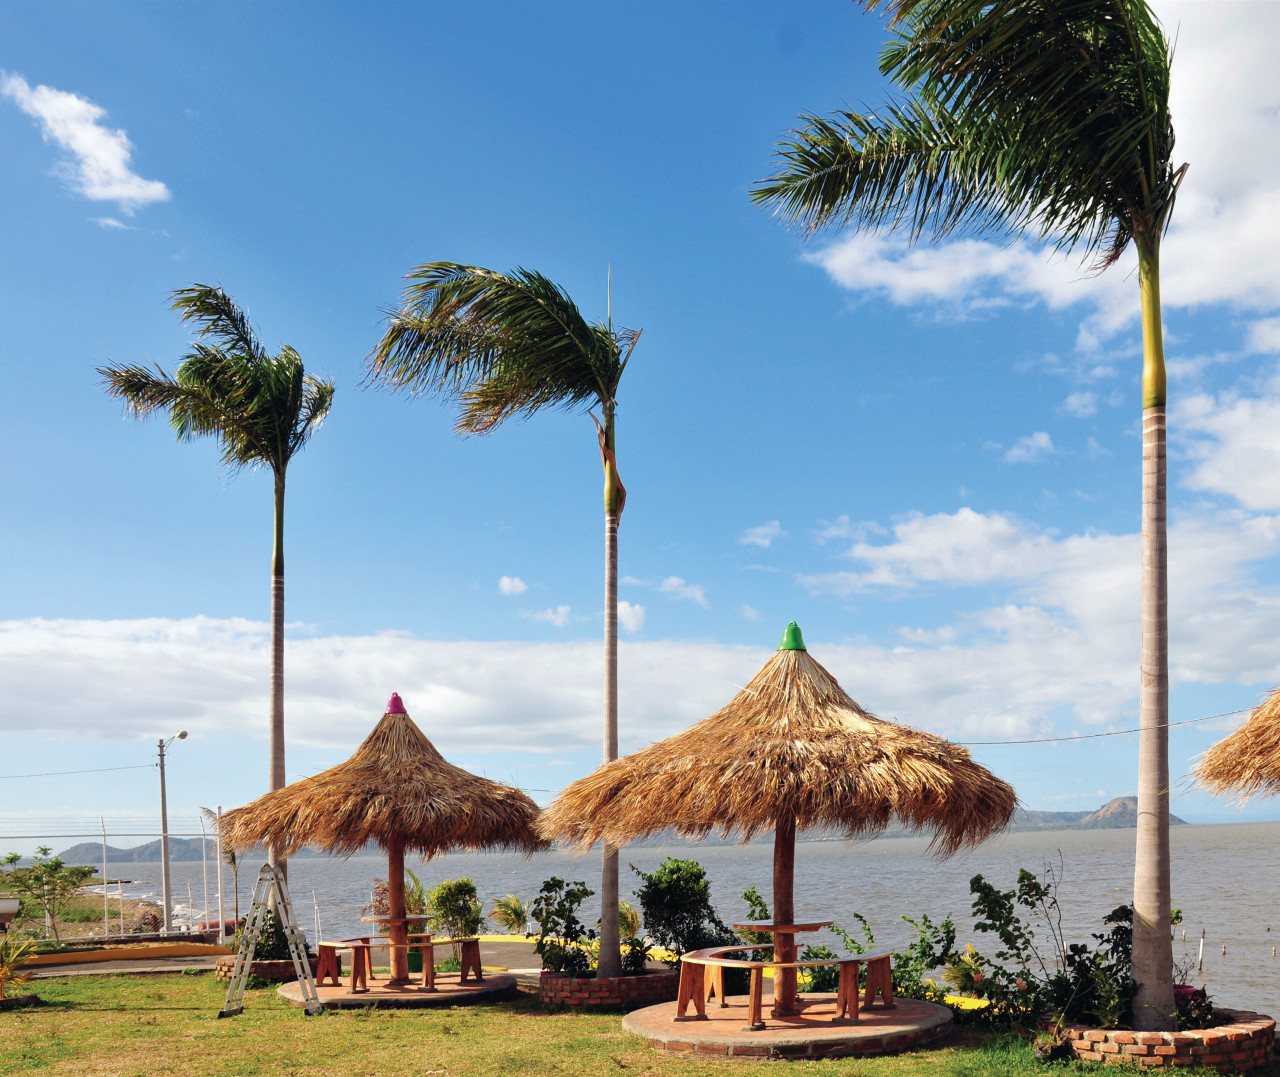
(675,902)
(563,940)
(273,945)
(454,908)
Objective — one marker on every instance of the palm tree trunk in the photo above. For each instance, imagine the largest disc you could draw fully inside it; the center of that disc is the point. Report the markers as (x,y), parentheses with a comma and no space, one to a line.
(274,855)
(610,963)
(1153,1007)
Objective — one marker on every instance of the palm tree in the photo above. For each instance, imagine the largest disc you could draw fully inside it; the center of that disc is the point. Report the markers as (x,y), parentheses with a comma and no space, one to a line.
(262,408)
(511,345)
(1047,119)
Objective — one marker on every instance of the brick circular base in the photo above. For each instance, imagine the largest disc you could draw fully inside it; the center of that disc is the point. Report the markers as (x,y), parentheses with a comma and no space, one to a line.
(610,992)
(811,1034)
(1241,1043)
(272,972)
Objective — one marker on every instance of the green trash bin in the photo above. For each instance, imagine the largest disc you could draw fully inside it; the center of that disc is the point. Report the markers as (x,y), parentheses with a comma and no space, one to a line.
(415,960)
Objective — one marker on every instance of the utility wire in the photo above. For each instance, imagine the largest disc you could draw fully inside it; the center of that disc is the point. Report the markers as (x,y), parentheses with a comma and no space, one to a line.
(59,773)
(1109,733)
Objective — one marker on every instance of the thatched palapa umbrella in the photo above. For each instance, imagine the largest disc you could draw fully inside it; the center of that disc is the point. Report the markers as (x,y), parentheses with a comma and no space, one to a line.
(398,792)
(1248,761)
(789,751)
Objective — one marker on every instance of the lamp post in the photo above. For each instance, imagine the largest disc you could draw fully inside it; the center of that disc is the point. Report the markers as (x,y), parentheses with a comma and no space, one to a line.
(164,835)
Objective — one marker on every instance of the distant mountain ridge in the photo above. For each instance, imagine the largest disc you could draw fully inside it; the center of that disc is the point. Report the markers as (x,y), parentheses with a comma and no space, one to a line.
(1118,814)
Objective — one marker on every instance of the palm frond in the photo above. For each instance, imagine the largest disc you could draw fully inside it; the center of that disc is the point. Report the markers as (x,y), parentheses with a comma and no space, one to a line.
(218,317)
(261,408)
(1050,119)
(502,345)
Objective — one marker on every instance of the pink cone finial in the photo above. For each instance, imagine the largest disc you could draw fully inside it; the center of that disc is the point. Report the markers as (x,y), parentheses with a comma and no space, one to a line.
(395,705)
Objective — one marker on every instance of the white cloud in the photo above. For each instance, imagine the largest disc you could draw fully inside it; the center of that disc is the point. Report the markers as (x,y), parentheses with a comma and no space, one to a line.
(630,616)
(843,528)
(1264,336)
(1029,449)
(1234,445)
(1081,405)
(558,616)
(1224,242)
(749,613)
(98,166)
(762,535)
(674,585)
(111,224)
(512,585)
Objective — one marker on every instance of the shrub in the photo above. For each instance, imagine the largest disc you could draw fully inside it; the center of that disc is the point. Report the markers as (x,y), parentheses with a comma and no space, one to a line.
(454,908)
(1091,985)
(675,901)
(562,937)
(273,945)
(12,954)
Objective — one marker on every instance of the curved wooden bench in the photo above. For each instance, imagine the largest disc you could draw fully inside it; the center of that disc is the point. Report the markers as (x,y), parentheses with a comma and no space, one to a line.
(697,986)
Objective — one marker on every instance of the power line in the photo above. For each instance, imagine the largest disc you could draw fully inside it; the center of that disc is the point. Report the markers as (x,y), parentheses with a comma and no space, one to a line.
(1109,733)
(59,773)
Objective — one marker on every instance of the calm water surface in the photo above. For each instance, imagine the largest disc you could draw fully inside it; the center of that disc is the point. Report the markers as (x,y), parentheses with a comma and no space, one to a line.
(1225,880)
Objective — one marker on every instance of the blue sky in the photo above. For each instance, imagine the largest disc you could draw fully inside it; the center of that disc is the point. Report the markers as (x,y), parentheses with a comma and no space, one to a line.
(929,458)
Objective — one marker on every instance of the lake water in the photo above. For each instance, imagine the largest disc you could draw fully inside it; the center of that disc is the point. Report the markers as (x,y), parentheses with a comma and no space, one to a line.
(1225,880)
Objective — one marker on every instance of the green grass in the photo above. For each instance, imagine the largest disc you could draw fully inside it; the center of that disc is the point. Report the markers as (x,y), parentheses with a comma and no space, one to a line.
(131,1026)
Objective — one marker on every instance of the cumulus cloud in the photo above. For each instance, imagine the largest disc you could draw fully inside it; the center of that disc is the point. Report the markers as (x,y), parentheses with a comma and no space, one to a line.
(630,616)
(674,585)
(558,616)
(1081,405)
(98,162)
(512,585)
(1029,449)
(1224,242)
(762,535)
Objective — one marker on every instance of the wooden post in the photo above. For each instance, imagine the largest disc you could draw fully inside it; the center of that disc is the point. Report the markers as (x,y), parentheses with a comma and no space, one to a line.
(784,946)
(395,901)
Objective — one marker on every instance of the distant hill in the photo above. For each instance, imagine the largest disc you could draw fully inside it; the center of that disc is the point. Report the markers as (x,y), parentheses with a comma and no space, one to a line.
(180,849)
(1118,814)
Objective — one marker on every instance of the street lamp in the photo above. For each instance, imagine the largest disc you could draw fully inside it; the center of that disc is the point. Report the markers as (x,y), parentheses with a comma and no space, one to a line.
(164,835)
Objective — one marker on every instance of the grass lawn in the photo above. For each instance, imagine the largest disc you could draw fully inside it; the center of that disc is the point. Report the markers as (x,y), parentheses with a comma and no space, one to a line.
(133,1025)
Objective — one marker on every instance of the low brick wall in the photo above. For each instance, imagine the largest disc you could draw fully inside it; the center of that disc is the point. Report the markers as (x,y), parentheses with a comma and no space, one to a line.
(1241,1043)
(272,972)
(611,992)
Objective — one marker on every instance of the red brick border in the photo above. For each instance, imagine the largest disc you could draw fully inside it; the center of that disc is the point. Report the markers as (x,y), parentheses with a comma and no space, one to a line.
(611,992)
(1241,1043)
(272,972)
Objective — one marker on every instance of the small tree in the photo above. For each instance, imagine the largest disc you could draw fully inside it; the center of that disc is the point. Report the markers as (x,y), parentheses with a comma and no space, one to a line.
(563,940)
(676,902)
(47,880)
(454,907)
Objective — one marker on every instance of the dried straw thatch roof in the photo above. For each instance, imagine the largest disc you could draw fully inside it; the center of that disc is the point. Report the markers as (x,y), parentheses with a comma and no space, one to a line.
(1248,761)
(396,786)
(792,740)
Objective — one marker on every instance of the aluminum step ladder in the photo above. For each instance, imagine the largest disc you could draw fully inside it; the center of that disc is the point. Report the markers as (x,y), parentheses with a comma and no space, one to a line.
(271,879)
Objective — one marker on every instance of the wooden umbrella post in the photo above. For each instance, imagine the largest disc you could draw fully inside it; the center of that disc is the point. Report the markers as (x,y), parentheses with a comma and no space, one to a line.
(784,946)
(395,910)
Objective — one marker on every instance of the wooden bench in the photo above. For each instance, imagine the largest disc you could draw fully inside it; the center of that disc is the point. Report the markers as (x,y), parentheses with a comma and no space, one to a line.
(361,947)
(702,976)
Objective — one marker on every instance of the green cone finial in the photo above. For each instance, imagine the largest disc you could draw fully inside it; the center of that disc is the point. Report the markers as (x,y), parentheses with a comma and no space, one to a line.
(791,639)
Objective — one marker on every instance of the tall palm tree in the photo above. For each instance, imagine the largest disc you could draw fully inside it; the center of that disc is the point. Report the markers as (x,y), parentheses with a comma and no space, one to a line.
(262,408)
(504,346)
(1048,119)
